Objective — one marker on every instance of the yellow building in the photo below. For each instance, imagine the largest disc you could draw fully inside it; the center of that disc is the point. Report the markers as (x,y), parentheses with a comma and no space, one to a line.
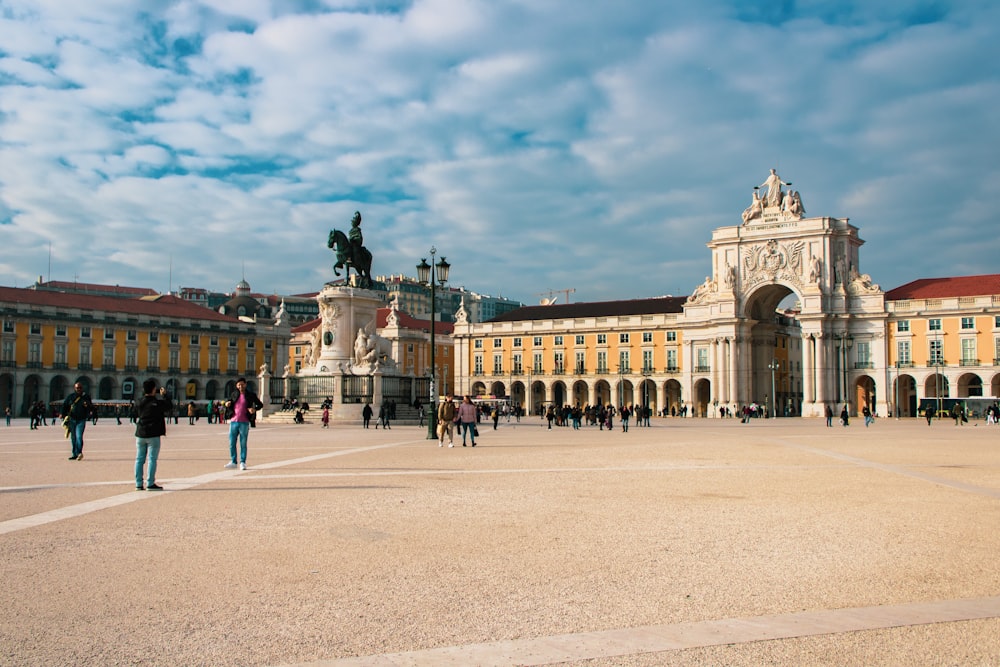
(50,340)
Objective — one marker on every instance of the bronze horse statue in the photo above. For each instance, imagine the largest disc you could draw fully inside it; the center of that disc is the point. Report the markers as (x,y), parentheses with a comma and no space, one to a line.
(350,257)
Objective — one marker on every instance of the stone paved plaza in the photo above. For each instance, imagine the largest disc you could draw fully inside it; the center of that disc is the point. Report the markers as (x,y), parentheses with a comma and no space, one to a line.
(693,542)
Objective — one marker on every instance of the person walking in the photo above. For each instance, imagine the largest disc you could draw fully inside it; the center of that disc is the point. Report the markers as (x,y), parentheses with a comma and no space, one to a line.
(446,421)
(191,409)
(151,425)
(929,413)
(845,417)
(829,416)
(366,414)
(326,417)
(496,416)
(467,416)
(869,420)
(75,411)
(241,411)
(6,413)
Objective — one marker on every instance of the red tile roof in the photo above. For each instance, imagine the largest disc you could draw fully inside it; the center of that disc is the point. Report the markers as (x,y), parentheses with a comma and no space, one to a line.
(96,288)
(154,306)
(566,311)
(943,288)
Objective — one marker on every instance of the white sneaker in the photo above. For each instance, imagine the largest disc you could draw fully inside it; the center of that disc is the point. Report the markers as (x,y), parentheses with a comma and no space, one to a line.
(229,465)
(243,466)
(452,444)
(440,444)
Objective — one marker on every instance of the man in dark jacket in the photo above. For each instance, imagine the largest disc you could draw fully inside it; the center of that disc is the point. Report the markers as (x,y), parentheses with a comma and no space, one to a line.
(75,410)
(150,426)
(241,411)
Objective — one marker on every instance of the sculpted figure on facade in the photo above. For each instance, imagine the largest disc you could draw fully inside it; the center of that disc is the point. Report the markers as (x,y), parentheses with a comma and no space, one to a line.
(773,261)
(861,283)
(462,315)
(371,351)
(393,318)
(315,345)
(702,291)
(754,210)
(729,276)
(815,270)
(773,185)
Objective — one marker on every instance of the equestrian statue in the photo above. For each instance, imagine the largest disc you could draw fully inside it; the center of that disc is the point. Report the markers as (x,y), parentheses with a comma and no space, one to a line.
(351,253)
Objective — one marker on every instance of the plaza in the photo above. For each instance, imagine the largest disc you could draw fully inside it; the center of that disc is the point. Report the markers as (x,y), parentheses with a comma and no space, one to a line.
(691,542)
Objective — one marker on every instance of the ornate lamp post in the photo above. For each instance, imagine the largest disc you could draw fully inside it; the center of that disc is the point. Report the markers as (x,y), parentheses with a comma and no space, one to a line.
(433,274)
(774,365)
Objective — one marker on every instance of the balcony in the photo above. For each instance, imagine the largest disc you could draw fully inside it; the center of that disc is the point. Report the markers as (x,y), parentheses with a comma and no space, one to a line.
(969,362)
(60,366)
(131,368)
(864,364)
(34,364)
(173,370)
(602,371)
(559,371)
(85,366)
(702,369)
(498,372)
(673,369)
(580,370)
(152,369)
(904,364)
(8,363)
(213,371)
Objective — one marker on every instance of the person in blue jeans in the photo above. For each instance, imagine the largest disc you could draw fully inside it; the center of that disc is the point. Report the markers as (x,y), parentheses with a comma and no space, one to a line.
(241,411)
(150,426)
(75,410)
(467,413)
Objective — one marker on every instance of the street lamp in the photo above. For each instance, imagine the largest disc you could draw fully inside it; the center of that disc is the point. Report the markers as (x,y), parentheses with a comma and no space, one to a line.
(433,274)
(774,365)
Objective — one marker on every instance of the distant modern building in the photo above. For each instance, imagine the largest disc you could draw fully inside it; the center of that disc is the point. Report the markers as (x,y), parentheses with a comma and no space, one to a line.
(415,298)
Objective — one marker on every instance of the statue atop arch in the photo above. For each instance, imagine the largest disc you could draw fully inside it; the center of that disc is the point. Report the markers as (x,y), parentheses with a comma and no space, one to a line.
(770,203)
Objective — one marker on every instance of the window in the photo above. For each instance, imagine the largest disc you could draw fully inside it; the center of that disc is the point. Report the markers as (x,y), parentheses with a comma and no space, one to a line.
(109,356)
(8,325)
(213,361)
(154,336)
(84,332)
(996,321)
(85,356)
(131,335)
(175,338)
(934,324)
(518,365)
(968,323)
(903,325)
(153,357)
(581,364)
(647,336)
(34,352)
(109,334)
(498,342)
(35,328)
(602,361)
(602,339)
(903,353)
(60,357)
(579,340)
(671,336)
(624,361)
(231,360)
(558,341)
(498,364)
(517,342)
(864,354)
(536,362)
(537,341)
(996,351)
(7,352)
(558,363)
(969,356)
(671,360)
(647,360)
(213,341)
(175,359)
(702,354)
(232,342)
(935,356)
(477,368)
(130,357)
(195,339)
(251,343)
(194,359)
(623,338)
(61,330)
(478,344)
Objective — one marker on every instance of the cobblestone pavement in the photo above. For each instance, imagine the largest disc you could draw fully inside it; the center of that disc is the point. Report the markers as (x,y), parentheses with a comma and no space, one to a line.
(690,542)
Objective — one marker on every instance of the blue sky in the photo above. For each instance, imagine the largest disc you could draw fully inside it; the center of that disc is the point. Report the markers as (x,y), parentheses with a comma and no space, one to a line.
(538,144)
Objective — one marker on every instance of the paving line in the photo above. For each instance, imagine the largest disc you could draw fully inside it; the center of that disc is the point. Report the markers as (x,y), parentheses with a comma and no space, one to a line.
(895,469)
(72,511)
(678,636)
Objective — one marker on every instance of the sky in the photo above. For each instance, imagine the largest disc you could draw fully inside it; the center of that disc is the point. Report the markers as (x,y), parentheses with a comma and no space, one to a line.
(539,145)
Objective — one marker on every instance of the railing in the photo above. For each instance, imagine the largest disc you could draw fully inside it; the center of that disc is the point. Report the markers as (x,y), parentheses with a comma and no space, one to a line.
(152,369)
(85,366)
(673,369)
(213,371)
(356,388)
(34,364)
(60,366)
(173,370)
(702,369)
(969,362)
(131,368)
(864,364)
(8,363)
(602,371)
(558,371)
(904,364)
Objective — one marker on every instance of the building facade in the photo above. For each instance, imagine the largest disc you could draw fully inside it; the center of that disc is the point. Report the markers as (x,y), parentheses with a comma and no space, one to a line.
(737,340)
(50,340)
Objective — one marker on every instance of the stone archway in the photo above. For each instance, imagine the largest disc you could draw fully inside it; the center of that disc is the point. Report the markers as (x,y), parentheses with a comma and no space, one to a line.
(602,392)
(772,351)
(673,397)
(581,393)
(498,389)
(905,397)
(559,396)
(970,385)
(702,398)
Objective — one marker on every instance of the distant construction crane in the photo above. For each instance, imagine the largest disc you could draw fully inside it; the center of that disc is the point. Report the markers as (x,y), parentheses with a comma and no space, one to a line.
(549,298)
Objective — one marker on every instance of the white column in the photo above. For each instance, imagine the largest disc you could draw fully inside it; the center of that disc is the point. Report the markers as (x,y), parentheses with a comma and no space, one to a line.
(808,350)
(733,371)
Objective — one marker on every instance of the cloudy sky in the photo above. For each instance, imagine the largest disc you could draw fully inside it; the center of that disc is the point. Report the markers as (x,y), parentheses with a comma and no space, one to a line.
(538,144)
